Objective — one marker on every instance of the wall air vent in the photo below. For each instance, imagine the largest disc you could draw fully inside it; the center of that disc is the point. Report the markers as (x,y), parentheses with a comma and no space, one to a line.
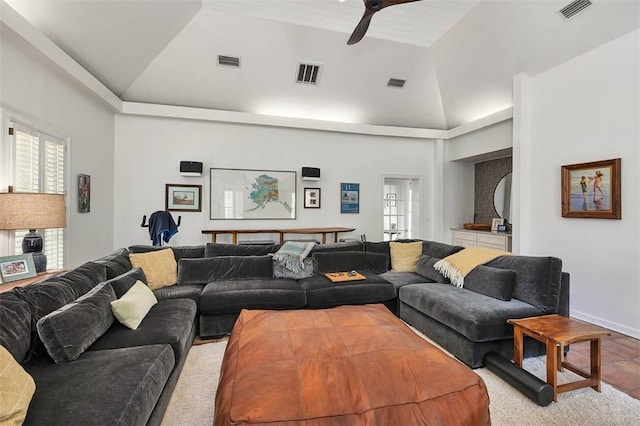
(396,82)
(575,7)
(308,73)
(228,61)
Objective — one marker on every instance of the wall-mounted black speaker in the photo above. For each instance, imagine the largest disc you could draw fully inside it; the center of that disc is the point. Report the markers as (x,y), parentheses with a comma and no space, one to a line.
(191,168)
(310,173)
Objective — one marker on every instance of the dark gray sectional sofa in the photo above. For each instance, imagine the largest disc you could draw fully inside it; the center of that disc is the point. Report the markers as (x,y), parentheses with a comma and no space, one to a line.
(123,376)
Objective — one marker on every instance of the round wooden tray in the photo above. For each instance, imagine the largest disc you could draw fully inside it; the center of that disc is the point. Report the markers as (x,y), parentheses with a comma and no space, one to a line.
(477,226)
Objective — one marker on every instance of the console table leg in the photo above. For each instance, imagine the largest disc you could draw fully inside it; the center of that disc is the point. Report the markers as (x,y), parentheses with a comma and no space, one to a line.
(595,363)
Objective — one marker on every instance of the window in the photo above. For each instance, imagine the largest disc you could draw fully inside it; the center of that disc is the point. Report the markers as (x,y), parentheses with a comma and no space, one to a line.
(39,166)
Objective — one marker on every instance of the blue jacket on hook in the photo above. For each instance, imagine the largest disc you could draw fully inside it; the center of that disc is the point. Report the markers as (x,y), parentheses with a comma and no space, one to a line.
(161,227)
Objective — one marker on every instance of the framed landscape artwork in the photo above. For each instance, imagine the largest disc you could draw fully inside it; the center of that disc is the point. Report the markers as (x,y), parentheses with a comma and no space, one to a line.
(252,194)
(183,198)
(592,190)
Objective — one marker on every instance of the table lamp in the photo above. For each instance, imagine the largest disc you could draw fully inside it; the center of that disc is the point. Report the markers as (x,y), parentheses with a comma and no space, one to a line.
(32,211)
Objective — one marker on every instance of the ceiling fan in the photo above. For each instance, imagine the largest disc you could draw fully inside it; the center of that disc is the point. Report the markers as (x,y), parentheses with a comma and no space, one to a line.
(371,7)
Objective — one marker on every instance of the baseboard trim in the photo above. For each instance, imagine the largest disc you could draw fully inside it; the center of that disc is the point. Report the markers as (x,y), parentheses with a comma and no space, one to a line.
(611,325)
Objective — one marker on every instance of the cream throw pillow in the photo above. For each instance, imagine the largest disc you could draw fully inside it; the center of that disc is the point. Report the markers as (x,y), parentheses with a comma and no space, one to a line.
(134,305)
(159,267)
(16,390)
(404,256)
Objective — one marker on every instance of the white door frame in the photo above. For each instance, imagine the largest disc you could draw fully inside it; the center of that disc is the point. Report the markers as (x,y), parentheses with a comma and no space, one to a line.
(417,230)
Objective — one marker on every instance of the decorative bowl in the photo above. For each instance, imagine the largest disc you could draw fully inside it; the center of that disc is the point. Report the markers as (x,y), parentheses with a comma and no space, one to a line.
(477,226)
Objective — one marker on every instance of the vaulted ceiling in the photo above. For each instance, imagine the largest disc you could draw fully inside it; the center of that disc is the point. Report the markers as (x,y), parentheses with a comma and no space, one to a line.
(458,57)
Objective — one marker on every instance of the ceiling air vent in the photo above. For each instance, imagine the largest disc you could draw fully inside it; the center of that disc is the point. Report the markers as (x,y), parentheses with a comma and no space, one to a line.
(308,73)
(396,82)
(229,61)
(575,7)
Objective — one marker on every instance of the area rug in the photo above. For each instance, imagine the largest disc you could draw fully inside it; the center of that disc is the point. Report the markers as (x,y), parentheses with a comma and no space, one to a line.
(192,402)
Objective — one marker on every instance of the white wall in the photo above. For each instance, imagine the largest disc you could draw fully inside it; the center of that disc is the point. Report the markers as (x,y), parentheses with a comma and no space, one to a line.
(484,144)
(149,149)
(581,111)
(35,89)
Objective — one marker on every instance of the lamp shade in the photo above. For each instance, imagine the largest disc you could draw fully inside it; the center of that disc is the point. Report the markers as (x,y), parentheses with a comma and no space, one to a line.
(31,210)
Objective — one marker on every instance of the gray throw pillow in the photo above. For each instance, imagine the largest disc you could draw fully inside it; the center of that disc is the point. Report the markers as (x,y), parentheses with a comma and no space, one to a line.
(426,269)
(360,261)
(492,282)
(70,330)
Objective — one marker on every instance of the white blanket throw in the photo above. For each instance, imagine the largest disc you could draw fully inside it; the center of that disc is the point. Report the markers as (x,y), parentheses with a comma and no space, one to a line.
(291,255)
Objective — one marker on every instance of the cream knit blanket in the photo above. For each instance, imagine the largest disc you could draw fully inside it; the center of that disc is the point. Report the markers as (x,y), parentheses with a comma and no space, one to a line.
(458,265)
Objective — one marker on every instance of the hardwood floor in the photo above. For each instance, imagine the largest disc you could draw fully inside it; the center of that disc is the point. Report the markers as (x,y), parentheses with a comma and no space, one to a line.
(620,357)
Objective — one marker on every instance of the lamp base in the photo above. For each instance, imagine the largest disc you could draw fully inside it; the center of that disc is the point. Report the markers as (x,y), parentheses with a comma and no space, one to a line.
(32,243)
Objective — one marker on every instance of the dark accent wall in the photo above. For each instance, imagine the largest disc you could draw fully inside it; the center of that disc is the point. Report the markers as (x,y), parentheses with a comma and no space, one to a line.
(487,176)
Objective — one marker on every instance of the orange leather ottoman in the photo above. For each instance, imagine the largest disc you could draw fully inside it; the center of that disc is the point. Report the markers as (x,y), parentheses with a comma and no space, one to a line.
(355,365)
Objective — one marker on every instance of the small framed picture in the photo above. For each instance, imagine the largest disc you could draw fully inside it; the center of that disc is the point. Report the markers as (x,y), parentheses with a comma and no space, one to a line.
(496,222)
(502,228)
(312,198)
(183,198)
(13,268)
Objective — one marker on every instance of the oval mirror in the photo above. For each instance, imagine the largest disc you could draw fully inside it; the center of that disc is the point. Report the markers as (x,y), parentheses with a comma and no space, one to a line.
(502,197)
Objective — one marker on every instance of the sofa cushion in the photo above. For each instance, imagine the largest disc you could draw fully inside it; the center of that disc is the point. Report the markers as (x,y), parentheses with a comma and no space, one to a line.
(538,279)
(179,252)
(159,267)
(208,269)
(44,297)
(83,278)
(168,321)
(340,246)
(492,282)
(280,271)
(116,263)
(426,269)
(134,305)
(110,387)
(322,293)
(439,250)
(404,256)
(184,291)
(478,317)
(349,260)
(231,296)
(121,284)
(67,332)
(15,325)
(16,390)
(220,249)
(399,279)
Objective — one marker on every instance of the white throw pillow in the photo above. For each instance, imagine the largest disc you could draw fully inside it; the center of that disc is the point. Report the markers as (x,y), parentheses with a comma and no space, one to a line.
(134,305)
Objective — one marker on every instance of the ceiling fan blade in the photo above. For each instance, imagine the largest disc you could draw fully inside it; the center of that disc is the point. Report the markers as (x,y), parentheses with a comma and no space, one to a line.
(361,28)
(371,7)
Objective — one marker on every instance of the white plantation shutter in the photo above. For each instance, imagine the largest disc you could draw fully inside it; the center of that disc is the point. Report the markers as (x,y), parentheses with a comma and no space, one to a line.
(40,167)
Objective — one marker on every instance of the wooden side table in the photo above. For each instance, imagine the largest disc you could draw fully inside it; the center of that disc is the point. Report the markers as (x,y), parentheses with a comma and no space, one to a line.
(4,287)
(556,332)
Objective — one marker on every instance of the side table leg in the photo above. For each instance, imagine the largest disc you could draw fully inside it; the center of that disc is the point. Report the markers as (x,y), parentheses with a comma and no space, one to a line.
(595,362)
(552,367)
(560,358)
(517,346)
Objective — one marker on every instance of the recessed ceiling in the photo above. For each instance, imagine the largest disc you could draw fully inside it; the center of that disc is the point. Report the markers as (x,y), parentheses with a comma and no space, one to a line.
(419,23)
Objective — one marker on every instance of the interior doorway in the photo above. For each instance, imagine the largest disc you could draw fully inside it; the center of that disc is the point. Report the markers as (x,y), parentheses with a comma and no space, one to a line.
(401,208)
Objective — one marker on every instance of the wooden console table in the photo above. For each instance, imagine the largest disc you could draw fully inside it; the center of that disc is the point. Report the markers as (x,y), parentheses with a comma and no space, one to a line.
(556,332)
(4,287)
(306,231)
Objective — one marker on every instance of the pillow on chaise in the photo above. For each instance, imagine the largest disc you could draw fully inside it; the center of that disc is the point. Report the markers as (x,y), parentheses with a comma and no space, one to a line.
(426,269)
(136,303)
(16,388)
(493,282)
(67,332)
(160,267)
(404,256)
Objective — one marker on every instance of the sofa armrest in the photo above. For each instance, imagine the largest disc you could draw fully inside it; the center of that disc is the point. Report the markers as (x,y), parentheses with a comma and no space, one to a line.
(563,303)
